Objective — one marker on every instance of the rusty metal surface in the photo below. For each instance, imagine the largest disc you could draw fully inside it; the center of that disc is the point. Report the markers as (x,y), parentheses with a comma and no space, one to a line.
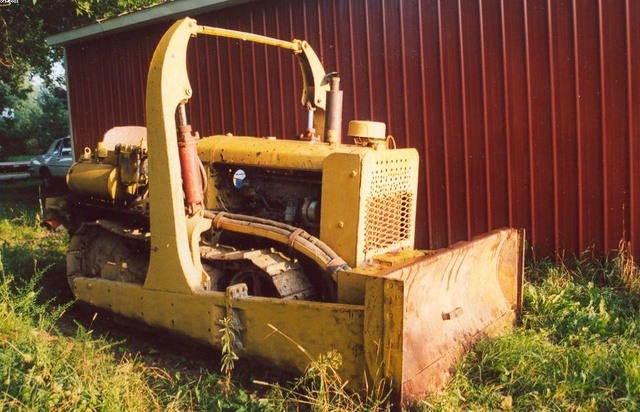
(525,113)
(454,298)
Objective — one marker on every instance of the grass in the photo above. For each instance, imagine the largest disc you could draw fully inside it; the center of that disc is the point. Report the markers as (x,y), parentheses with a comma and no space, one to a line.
(321,388)
(577,346)
(42,370)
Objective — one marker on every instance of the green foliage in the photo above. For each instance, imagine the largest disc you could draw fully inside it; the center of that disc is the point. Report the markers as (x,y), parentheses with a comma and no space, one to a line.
(53,123)
(27,247)
(41,110)
(41,370)
(39,118)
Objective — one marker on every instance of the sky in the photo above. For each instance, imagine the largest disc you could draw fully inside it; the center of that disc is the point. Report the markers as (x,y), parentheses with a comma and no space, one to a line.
(57,71)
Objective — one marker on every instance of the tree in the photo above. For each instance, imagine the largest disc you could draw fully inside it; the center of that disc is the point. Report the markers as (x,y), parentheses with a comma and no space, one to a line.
(38,119)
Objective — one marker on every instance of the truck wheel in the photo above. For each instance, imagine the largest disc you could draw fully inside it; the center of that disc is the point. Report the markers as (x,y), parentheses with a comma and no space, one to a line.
(47,178)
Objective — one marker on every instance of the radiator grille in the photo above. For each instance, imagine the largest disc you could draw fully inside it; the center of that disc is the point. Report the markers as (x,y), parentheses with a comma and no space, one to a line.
(389,209)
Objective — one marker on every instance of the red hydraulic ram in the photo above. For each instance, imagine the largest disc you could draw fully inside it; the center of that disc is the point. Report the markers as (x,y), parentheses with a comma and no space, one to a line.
(190,164)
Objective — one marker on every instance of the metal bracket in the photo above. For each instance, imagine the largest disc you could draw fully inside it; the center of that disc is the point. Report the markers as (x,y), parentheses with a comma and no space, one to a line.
(452,314)
(237,291)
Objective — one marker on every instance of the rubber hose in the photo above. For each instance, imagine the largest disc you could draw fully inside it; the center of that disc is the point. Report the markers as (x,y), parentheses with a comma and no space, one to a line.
(305,243)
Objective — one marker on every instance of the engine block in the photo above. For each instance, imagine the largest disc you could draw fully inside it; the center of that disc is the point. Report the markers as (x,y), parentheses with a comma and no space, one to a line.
(360,200)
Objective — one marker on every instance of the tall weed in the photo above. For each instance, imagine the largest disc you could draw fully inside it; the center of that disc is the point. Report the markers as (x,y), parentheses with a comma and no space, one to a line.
(322,389)
(42,370)
(626,267)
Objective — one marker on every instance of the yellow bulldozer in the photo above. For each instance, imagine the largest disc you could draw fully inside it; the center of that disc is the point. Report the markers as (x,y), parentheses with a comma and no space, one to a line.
(312,237)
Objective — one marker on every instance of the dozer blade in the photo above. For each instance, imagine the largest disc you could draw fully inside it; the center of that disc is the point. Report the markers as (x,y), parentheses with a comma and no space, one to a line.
(428,312)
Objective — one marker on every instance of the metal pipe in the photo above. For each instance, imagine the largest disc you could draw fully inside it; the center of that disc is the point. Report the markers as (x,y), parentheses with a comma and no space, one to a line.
(182,115)
(333,124)
(295,46)
(310,118)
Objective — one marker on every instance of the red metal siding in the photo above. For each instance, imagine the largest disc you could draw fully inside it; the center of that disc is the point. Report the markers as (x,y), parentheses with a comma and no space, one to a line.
(632,25)
(526,113)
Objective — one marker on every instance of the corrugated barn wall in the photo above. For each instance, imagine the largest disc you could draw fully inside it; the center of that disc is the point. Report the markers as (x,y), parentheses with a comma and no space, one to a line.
(525,113)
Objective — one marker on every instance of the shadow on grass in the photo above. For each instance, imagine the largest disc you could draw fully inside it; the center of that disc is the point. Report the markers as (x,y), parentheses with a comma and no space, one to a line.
(18,197)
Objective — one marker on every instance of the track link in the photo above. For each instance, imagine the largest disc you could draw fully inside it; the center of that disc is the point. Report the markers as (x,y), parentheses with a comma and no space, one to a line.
(111,251)
(266,272)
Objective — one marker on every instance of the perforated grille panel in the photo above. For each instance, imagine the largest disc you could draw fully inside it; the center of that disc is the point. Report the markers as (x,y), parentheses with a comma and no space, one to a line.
(389,209)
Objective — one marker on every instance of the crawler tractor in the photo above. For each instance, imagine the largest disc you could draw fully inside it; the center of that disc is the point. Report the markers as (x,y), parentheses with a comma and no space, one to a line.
(312,238)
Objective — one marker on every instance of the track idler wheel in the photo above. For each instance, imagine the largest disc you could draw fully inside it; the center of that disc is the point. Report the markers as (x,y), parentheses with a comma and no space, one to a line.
(96,252)
(266,272)
(258,283)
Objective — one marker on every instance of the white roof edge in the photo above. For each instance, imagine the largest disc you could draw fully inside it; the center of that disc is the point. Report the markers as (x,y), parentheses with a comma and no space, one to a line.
(162,12)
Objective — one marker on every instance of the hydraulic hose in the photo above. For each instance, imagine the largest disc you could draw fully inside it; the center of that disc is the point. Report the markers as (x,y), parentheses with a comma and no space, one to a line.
(298,239)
